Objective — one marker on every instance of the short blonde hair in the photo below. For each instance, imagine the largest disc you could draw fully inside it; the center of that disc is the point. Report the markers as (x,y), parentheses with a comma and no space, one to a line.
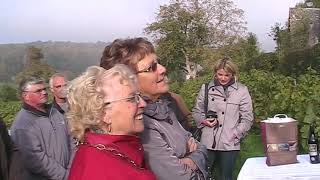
(86,97)
(227,65)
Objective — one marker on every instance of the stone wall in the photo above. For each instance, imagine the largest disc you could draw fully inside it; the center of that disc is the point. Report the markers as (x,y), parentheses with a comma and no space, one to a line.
(297,16)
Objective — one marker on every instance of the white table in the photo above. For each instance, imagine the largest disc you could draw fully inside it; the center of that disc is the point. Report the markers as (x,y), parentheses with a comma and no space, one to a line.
(257,169)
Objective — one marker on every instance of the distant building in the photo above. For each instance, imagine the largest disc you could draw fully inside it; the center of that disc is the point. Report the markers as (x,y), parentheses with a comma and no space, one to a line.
(298,16)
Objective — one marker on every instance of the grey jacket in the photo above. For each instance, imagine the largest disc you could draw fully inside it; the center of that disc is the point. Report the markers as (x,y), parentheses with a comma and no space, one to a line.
(235,117)
(44,143)
(165,142)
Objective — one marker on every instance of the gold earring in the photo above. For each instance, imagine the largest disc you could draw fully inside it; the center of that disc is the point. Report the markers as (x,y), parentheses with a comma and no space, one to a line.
(109,129)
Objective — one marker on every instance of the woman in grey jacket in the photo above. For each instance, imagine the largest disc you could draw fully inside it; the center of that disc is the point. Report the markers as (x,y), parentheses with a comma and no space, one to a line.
(170,150)
(232,103)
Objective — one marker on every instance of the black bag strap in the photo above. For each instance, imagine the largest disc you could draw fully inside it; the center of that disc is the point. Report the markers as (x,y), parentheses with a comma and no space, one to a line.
(206,90)
(198,132)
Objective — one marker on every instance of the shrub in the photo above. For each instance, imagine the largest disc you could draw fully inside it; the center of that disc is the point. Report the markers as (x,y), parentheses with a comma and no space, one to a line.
(272,94)
(8,92)
(8,111)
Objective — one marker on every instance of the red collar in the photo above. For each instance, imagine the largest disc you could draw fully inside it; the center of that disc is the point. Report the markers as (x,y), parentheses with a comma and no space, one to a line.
(129,145)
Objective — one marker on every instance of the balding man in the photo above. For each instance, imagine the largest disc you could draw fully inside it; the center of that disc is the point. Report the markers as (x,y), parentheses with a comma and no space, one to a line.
(58,88)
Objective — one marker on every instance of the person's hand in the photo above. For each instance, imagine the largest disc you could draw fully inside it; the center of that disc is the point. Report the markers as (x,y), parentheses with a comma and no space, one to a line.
(235,139)
(192,144)
(189,163)
(209,123)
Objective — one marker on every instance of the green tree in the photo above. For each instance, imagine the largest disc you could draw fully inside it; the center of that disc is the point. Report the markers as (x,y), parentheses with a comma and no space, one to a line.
(185,29)
(243,53)
(8,93)
(247,51)
(316,3)
(294,53)
(266,61)
(4,74)
(35,66)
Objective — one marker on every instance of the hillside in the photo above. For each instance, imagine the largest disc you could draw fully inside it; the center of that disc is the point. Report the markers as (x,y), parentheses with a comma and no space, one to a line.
(68,57)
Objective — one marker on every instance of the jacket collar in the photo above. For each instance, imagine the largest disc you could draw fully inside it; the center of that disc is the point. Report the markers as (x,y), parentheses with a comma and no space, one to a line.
(107,139)
(35,111)
(226,92)
(57,106)
(233,85)
(158,110)
(129,145)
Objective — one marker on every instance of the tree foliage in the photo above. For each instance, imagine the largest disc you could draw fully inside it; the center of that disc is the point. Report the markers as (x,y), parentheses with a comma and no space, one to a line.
(8,92)
(316,4)
(35,66)
(293,50)
(244,53)
(185,29)
(265,61)
(8,111)
(272,93)
(67,57)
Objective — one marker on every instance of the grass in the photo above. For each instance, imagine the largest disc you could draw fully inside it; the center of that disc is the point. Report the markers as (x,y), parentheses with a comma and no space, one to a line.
(250,147)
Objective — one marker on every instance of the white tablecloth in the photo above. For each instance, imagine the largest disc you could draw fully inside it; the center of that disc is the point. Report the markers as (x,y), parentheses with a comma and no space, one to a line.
(256,168)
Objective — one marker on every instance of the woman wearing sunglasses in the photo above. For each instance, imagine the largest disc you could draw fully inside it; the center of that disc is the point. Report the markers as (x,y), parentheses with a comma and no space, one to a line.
(105,116)
(170,150)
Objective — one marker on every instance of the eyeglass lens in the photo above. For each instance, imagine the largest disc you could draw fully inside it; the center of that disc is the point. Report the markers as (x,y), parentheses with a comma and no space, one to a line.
(38,91)
(135,98)
(152,68)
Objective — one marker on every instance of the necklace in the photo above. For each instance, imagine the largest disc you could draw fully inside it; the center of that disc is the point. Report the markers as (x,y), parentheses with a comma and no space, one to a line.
(102,147)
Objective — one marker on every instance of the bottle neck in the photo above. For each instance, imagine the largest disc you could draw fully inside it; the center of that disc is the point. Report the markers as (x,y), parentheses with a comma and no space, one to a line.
(311,130)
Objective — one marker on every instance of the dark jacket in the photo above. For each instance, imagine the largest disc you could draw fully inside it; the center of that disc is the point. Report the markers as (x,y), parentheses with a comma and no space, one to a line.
(44,143)
(11,162)
(5,151)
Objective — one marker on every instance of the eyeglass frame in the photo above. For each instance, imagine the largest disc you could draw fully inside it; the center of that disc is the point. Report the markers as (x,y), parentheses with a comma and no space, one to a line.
(38,91)
(152,68)
(136,97)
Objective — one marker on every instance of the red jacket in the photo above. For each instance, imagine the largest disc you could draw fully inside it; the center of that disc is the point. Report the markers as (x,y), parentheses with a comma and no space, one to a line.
(90,163)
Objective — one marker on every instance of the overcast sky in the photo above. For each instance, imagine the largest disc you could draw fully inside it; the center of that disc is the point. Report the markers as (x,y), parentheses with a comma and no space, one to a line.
(104,20)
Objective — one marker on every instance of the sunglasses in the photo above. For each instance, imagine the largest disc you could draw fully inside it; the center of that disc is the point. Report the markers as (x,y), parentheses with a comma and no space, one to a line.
(152,68)
(132,99)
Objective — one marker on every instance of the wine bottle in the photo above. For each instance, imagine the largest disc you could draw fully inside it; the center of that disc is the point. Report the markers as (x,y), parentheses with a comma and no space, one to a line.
(313,145)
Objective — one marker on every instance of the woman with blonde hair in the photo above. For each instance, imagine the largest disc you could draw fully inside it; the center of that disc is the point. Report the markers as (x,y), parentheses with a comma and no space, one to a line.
(231,102)
(105,116)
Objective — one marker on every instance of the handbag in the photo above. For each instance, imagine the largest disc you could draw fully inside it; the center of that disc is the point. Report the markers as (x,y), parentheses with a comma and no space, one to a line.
(198,132)
(280,140)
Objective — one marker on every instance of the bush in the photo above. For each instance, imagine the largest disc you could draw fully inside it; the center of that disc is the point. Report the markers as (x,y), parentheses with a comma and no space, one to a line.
(8,111)
(272,94)
(8,92)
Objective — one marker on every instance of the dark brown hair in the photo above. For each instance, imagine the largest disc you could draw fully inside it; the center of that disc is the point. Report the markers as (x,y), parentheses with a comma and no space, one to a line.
(127,51)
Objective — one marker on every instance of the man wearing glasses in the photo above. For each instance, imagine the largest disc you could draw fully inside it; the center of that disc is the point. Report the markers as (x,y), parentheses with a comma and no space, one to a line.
(40,134)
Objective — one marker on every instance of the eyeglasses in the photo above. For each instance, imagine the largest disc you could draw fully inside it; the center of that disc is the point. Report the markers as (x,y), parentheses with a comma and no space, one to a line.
(133,99)
(152,68)
(38,91)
